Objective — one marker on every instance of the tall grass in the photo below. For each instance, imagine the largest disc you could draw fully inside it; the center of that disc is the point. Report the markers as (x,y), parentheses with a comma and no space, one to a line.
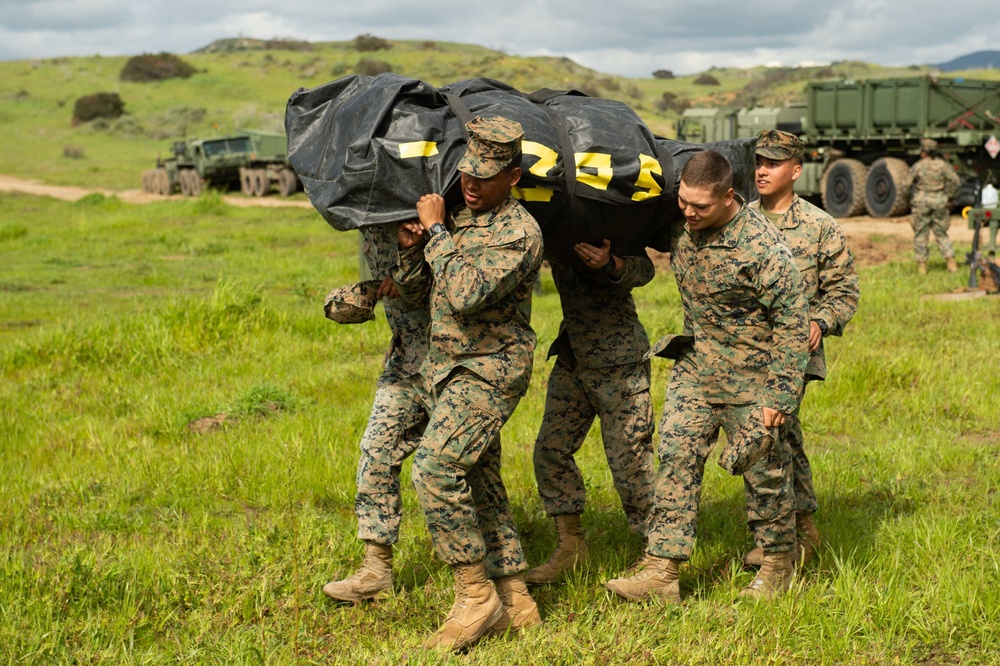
(129,536)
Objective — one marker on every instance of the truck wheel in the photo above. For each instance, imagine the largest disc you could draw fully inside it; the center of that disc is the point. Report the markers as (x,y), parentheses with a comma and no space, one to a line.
(162,182)
(194,183)
(147,180)
(183,177)
(887,192)
(844,188)
(288,183)
(261,183)
(246,181)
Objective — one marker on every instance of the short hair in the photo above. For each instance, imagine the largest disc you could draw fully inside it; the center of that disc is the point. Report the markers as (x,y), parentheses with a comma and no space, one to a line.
(708,169)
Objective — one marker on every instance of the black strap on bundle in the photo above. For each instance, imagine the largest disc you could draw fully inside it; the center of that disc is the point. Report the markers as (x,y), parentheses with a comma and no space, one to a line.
(539,97)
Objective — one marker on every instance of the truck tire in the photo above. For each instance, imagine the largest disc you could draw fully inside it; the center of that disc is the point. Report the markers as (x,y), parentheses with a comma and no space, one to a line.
(887,190)
(148,180)
(261,183)
(194,183)
(246,181)
(844,188)
(184,177)
(288,182)
(162,182)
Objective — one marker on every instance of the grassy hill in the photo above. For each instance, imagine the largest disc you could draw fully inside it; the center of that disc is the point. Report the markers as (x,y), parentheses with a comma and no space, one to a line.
(246,83)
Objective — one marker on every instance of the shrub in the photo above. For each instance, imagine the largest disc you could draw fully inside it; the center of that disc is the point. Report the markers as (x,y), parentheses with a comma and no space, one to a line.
(339,69)
(99,105)
(706,80)
(663,74)
(429,46)
(369,42)
(671,102)
(370,67)
(158,67)
(73,152)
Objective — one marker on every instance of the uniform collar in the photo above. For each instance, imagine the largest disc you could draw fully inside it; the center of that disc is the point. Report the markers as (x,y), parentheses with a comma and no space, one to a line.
(790,218)
(727,235)
(467,218)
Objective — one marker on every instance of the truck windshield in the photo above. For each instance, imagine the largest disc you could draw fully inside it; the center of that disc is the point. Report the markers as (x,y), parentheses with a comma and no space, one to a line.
(227,146)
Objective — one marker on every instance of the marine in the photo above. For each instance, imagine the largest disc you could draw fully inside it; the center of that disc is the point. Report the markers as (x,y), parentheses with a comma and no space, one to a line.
(830,285)
(478,267)
(739,367)
(933,183)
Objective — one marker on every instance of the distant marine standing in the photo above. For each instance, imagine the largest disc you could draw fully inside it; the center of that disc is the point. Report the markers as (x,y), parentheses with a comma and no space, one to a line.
(934,182)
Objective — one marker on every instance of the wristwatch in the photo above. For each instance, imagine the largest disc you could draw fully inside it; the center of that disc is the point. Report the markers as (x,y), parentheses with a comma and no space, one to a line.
(608,269)
(822,325)
(437,228)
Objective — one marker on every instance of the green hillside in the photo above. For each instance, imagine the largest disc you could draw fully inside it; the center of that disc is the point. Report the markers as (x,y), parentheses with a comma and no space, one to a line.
(246,83)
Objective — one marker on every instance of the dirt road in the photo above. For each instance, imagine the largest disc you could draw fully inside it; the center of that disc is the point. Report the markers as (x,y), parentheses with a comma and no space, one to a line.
(862,231)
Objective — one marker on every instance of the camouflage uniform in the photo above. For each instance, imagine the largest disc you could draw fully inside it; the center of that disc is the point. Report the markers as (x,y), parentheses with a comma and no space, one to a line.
(398,417)
(599,371)
(480,278)
(744,308)
(830,285)
(934,183)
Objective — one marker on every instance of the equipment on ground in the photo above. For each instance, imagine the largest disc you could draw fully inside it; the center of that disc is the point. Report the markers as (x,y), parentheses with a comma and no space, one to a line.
(862,136)
(978,264)
(250,159)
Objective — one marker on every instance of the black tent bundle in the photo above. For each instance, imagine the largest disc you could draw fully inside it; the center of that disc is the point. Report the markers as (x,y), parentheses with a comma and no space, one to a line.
(366,148)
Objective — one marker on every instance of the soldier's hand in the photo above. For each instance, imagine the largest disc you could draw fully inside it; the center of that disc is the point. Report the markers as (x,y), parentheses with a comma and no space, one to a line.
(409,234)
(592,256)
(387,289)
(773,418)
(430,210)
(815,336)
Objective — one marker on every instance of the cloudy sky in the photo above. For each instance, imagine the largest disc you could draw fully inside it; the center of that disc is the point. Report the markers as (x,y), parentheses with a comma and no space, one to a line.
(627,37)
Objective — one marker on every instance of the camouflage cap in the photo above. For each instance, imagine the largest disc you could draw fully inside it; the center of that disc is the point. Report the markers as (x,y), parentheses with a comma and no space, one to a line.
(928,145)
(353,304)
(493,144)
(777,145)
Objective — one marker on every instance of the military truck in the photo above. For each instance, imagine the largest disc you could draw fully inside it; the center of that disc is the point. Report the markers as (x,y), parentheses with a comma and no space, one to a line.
(862,136)
(250,159)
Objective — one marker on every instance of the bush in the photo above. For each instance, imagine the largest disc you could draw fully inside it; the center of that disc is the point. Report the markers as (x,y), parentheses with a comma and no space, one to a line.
(706,80)
(99,105)
(429,46)
(149,67)
(663,74)
(368,42)
(73,152)
(671,102)
(370,67)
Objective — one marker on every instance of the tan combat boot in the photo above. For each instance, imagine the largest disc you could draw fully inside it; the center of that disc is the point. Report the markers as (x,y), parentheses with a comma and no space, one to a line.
(372,580)
(519,610)
(808,537)
(952,266)
(922,268)
(477,607)
(654,577)
(571,550)
(775,576)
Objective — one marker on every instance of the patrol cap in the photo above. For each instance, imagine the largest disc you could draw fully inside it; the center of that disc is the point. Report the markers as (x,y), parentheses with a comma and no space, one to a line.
(928,145)
(493,144)
(353,304)
(777,145)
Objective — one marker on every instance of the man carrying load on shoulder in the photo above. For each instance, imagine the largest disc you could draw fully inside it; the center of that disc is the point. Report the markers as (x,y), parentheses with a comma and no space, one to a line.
(739,367)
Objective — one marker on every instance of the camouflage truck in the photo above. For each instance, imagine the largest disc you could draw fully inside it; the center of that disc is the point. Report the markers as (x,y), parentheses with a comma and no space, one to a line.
(249,159)
(862,136)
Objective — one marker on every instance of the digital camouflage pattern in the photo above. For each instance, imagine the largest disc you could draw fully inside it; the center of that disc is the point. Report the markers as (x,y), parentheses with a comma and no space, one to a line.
(689,429)
(826,266)
(934,183)
(744,307)
(353,304)
(493,143)
(398,415)
(482,273)
(599,372)
(777,145)
(743,304)
(479,278)
(830,284)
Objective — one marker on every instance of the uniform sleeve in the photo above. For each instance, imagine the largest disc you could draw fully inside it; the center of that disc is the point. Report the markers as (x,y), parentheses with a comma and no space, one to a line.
(953,182)
(637,271)
(838,290)
(471,283)
(412,277)
(780,290)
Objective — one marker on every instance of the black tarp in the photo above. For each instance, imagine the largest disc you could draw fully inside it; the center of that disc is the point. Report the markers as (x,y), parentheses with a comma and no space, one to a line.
(366,148)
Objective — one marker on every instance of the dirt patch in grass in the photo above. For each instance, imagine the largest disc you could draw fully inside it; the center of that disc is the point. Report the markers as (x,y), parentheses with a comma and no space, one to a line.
(207,424)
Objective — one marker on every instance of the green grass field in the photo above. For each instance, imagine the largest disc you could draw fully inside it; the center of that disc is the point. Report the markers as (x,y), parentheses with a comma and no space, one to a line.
(129,537)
